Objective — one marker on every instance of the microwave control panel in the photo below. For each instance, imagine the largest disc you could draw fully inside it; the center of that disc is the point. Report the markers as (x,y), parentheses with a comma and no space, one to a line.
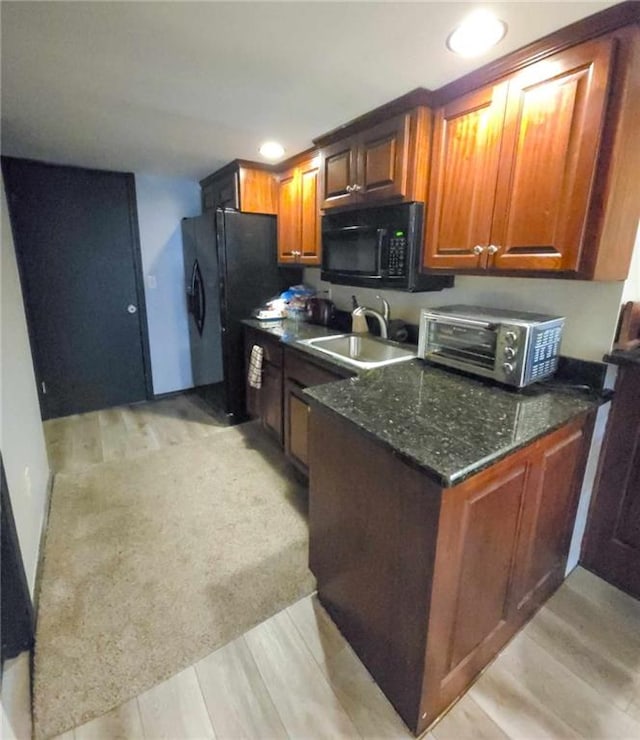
(397,254)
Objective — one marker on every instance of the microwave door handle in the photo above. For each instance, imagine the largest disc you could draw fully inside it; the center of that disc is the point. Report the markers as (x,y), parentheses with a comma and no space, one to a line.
(342,229)
(381,235)
(461,322)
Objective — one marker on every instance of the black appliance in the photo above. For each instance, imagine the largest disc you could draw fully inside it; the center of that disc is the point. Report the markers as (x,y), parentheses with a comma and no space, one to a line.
(231,267)
(378,248)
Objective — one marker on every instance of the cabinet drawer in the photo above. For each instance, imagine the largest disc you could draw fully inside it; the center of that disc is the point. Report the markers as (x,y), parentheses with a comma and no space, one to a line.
(307,373)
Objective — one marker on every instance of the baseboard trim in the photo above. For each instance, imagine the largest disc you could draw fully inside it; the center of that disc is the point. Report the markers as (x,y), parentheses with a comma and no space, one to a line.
(169,394)
(43,537)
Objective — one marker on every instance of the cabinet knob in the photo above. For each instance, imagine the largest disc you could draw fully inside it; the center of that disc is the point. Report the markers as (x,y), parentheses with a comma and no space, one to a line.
(349,188)
(492,249)
(356,188)
(478,249)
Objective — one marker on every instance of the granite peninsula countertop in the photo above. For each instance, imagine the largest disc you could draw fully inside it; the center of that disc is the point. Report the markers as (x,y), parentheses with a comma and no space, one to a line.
(450,425)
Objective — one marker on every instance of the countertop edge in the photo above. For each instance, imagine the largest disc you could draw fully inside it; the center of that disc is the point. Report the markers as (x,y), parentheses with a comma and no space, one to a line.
(445,481)
(623,357)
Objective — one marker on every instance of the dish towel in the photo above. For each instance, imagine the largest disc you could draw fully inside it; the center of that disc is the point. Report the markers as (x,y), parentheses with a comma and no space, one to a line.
(254,375)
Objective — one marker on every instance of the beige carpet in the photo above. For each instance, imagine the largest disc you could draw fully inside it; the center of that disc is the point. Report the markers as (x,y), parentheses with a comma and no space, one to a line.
(152,563)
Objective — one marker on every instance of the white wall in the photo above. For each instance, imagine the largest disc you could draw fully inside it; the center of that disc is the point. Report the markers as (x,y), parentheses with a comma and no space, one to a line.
(5,725)
(21,435)
(162,203)
(591,308)
(631,290)
(16,698)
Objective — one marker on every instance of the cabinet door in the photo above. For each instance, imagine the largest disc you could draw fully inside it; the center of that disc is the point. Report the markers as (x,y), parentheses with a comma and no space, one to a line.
(223,192)
(548,516)
(289,223)
(296,426)
(553,127)
(310,246)
(257,191)
(477,540)
(339,173)
(383,160)
(466,151)
(271,399)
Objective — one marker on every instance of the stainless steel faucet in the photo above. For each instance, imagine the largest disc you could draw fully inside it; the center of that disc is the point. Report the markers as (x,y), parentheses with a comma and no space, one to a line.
(383,318)
(386,309)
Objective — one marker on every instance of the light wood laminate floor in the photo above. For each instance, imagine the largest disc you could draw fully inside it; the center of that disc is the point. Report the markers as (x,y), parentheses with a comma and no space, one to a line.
(573,672)
(77,441)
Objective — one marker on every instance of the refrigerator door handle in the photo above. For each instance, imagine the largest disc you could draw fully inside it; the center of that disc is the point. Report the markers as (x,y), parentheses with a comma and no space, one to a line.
(198,299)
(191,288)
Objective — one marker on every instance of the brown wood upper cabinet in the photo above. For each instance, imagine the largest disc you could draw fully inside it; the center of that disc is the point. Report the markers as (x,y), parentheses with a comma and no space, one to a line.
(378,164)
(519,170)
(246,186)
(299,239)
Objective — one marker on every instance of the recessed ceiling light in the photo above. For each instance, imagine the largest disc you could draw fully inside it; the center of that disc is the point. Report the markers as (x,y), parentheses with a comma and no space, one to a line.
(271,150)
(477,33)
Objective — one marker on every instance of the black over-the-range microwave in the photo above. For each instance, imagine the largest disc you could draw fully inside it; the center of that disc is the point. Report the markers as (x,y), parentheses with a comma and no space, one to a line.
(378,248)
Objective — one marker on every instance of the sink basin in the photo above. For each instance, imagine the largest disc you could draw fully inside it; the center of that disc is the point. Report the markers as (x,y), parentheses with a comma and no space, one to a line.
(361,350)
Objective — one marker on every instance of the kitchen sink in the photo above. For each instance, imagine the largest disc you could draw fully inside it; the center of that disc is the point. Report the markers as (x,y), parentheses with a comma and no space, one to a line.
(361,350)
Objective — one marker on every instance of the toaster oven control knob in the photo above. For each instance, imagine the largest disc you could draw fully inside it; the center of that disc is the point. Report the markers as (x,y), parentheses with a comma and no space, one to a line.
(508,368)
(511,337)
(509,353)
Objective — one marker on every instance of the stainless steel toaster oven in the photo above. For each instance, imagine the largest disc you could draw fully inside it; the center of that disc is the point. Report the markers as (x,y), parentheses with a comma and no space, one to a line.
(511,347)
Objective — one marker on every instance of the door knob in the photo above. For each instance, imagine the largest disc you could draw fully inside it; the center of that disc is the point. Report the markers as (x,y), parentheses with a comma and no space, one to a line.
(131,308)
(492,249)
(478,249)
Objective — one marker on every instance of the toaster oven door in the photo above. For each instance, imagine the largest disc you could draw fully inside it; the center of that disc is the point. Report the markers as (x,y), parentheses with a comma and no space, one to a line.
(465,344)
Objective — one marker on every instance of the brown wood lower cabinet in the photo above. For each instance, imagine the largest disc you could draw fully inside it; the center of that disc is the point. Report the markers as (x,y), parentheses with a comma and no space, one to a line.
(265,403)
(280,403)
(429,583)
(301,373)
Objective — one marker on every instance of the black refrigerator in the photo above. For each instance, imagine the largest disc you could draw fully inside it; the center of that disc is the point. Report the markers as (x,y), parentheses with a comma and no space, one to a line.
(230,263)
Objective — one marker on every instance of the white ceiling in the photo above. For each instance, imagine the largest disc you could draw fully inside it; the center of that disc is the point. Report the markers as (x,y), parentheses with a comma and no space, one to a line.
(180,88)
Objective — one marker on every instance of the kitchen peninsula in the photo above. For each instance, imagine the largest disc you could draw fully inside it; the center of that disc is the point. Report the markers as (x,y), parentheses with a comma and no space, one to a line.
(441,509)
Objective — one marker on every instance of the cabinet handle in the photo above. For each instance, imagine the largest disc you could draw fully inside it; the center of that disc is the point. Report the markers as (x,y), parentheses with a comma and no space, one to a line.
(492,249)
(478,249)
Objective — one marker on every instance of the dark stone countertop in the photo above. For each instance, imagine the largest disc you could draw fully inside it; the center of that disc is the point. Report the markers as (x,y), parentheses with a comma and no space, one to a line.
(290,332)
(624,357)
(450,425)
